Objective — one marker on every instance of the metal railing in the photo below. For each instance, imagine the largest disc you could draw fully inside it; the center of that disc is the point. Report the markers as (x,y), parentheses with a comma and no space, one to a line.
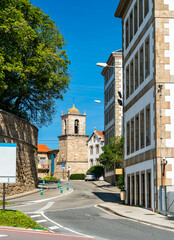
(166,200)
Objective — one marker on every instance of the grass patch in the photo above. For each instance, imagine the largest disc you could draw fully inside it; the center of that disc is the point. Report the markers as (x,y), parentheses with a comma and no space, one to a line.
(17,219)
(6,203)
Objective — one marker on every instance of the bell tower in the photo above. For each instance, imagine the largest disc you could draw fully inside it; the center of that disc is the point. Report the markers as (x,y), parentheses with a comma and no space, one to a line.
(73,150)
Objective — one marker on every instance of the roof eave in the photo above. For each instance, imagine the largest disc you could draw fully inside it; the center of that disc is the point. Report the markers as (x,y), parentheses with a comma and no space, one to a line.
(120,9)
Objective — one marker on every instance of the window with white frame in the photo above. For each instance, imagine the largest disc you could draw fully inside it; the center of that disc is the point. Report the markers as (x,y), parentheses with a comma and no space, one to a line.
(134,20)
(138,131)
(97,149)
(138,70)
(132,135)
(91,150)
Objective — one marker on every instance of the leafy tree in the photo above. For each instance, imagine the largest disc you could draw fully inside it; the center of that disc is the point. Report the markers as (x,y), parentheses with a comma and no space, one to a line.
(33,64)
(112,155)
(98,171)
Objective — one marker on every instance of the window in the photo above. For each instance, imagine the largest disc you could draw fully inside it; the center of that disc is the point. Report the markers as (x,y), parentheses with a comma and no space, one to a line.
(137,132)
(76,126)
(127,33)
(91,150)
(91,162)
(140,12)
(142,128)
(97,149)
(132,135)
(131,26)
(148,125)
(128,138)
(136,72)
(141,64)
(135,19)
(65,127)
(131,78)
(42,162)
(147,58)
(127,82)
(94,139)
(146,7)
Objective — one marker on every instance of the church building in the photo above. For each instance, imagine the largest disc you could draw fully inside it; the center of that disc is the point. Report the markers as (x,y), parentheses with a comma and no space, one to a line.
(73,147)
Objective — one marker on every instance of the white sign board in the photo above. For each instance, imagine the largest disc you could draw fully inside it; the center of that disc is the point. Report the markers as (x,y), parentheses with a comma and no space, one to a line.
(7,162)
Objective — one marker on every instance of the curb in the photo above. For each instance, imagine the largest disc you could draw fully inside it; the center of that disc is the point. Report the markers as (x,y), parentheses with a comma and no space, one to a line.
(131,218)
(105,188)
(25,193)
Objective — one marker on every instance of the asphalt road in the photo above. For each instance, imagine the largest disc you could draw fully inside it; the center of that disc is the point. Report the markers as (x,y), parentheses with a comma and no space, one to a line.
(77,214)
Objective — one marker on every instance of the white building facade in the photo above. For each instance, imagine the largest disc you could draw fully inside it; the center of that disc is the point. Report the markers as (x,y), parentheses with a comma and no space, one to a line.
(95,144)
(113,112)
(148,61)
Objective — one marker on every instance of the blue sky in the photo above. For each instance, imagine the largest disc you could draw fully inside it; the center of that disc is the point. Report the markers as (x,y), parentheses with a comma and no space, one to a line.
(91,32)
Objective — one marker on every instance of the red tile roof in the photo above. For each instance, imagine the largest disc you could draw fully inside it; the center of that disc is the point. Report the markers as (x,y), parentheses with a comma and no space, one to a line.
(101,134)
(43,148)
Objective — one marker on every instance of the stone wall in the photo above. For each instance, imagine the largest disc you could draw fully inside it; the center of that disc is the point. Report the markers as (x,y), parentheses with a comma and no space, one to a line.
(16,130)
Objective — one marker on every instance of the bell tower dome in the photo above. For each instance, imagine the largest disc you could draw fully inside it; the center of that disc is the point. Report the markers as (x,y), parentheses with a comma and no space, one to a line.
(73,123)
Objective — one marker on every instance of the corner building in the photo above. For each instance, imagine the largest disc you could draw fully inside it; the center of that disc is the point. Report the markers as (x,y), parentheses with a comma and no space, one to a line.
(73,148)
(113,83)
(148,60)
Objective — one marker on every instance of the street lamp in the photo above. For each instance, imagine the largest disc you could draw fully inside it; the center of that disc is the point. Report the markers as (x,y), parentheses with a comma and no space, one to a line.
(98,101)
(103,65)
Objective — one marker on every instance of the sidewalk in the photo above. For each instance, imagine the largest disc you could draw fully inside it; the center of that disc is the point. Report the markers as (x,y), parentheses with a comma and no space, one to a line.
(135,213)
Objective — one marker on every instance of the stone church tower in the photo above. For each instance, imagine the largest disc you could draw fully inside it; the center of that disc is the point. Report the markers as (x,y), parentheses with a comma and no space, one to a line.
(73,144)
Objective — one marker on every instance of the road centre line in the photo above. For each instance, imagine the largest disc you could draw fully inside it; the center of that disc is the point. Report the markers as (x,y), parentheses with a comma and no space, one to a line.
(43,200)
(47,199)
(70,230)
(48,205)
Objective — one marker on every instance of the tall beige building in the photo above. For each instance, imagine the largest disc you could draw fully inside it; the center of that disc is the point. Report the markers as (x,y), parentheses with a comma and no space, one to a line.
(73,144)
(148,60)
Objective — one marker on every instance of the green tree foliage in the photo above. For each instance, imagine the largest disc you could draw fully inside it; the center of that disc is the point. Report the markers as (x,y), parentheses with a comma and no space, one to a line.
(98,171)
(33,64)
(112,153)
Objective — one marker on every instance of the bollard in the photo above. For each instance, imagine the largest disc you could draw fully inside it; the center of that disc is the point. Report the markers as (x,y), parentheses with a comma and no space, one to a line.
(58,185)
(41,191)
(43,182)
(67,186)
(61,190)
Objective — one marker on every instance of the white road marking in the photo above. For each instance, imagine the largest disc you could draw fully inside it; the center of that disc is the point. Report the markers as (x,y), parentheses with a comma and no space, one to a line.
(54,227)
(3,236)
(48,205)
(47,199)
(35,216)
(40,221)
(43,200)
(70,230)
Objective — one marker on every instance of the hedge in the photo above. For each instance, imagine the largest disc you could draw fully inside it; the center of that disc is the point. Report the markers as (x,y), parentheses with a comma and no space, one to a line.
(77,176)
(50,178)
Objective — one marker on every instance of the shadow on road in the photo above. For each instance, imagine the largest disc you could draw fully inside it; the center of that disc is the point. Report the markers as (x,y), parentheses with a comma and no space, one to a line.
(108,197)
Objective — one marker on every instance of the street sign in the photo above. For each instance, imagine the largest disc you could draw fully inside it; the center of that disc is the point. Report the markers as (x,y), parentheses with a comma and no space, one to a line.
(7,163)
(118,171)
(63,165)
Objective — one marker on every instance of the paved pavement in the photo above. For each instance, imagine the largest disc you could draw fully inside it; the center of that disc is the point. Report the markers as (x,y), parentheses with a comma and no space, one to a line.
(135,213)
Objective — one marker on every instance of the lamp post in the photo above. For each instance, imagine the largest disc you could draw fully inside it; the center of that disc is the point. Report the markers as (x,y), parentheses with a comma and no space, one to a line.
(103,65)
